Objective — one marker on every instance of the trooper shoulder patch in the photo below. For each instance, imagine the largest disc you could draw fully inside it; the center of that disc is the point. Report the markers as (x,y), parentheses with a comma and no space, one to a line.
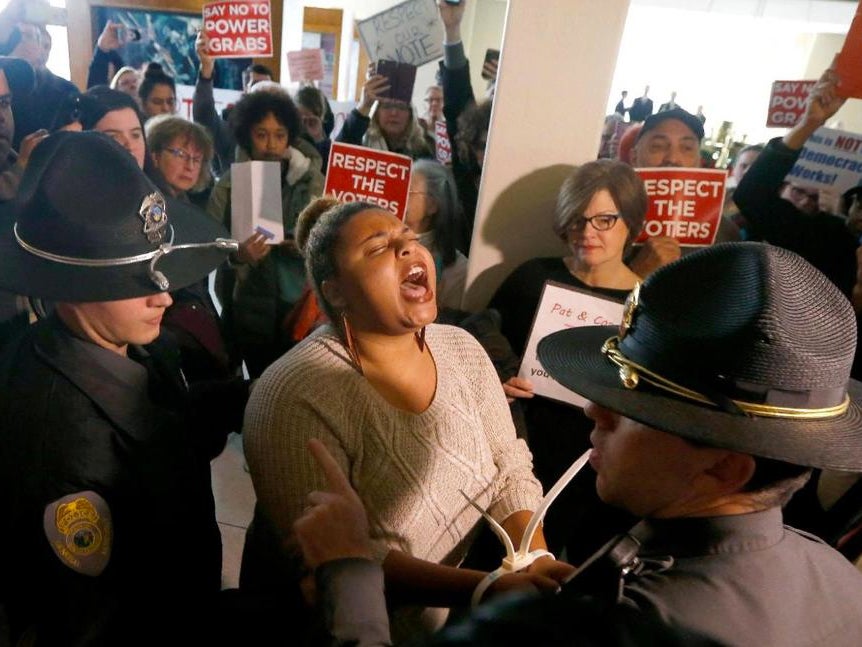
(78,527)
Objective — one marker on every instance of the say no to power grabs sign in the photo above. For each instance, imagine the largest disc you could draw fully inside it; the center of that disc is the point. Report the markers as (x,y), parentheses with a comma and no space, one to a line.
(238,28)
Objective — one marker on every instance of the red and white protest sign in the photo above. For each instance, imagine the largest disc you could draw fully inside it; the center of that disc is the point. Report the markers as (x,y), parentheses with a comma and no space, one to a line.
(305,65)
(238,28)
(444,146)
(363,174)
(787,102)
(684,204)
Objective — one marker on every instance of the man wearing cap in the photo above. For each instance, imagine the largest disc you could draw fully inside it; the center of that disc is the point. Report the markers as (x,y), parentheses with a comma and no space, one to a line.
(822,239)
(711,403)
(109,531)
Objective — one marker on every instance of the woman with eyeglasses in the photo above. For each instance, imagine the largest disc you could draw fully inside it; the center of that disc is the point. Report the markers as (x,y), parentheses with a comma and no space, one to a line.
(385,124)
(157,91)
(181,150)
(600,211)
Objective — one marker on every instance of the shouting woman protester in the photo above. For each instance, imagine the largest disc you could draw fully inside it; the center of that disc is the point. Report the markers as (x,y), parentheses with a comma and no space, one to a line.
(413,411)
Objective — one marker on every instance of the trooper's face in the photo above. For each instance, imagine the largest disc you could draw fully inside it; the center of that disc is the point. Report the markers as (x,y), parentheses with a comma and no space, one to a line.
(648,472)
(116,324)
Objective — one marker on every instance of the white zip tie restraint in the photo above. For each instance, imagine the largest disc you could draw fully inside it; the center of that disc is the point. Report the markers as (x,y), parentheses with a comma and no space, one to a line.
(515,561)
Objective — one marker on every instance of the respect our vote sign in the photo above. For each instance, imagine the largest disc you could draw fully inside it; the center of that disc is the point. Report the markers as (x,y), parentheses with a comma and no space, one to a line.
(561,307)
(410,32)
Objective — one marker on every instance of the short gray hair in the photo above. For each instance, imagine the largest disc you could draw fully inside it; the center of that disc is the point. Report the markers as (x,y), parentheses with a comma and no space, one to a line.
(163,129)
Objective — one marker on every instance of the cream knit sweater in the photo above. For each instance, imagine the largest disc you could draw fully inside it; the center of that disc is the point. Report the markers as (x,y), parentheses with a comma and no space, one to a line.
(407,468)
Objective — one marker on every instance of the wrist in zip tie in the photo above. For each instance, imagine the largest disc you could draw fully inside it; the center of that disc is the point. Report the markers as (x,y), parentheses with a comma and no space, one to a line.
(508,567)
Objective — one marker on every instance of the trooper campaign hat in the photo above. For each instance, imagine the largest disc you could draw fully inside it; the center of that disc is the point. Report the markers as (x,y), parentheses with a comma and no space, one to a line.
(742,346)
(88,225)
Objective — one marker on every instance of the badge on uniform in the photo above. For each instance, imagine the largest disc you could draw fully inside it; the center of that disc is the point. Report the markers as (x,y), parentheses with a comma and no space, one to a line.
(79,530)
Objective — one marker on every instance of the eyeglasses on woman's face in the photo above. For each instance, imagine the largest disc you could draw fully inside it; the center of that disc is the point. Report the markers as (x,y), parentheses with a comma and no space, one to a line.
(180,154)
(602,222)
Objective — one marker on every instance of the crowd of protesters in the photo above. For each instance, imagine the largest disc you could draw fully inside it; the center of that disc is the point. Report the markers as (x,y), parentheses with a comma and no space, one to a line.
(381,422)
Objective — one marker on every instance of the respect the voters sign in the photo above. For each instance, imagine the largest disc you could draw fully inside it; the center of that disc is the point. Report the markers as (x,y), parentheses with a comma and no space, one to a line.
(561,307)
(830,159)
(238,28)
(363,174)
(684,204)
(787,102)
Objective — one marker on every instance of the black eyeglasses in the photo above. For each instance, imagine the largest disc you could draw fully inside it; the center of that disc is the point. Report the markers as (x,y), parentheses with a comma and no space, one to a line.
(602,222)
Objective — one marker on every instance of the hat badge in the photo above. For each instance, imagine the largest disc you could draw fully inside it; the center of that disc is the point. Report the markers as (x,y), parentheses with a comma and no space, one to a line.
(155,217)
(629,308)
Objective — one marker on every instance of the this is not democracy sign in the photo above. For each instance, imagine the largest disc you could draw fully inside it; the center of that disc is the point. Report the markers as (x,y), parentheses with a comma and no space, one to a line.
(831,159)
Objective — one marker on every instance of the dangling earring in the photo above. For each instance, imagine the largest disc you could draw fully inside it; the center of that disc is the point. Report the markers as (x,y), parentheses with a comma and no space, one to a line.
(351,344)
(420,339)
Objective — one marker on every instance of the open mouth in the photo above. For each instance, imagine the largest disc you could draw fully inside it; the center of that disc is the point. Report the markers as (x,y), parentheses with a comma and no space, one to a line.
(415,286)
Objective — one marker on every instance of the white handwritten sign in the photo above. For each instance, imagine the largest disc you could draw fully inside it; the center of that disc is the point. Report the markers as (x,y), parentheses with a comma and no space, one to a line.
(410,32)
(831,159)
(561,307)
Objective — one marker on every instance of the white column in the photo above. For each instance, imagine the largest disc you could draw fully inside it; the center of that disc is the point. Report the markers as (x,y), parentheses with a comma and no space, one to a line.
(557,63)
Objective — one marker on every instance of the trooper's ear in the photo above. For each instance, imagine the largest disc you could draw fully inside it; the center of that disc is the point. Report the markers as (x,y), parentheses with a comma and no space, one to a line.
(732,470)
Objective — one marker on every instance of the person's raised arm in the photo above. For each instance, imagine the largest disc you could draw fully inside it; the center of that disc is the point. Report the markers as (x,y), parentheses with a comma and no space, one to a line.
(203,105)
(823,103)
(358,119)
(104,55)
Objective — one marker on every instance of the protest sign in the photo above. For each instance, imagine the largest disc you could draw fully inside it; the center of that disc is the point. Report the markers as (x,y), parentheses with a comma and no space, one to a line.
(410,32)
(255,200)
(848,65)
(305,65)
(357,173)
(831,159)
(560,307)
(444,146)
(222,98)
(684,204)
(787,102)
(238,28)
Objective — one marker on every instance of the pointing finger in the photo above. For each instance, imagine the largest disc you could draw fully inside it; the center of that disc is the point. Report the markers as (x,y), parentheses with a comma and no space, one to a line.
(335,477)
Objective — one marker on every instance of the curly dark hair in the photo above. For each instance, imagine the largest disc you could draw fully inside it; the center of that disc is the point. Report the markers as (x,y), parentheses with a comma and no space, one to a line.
(255,106)
(473,126)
